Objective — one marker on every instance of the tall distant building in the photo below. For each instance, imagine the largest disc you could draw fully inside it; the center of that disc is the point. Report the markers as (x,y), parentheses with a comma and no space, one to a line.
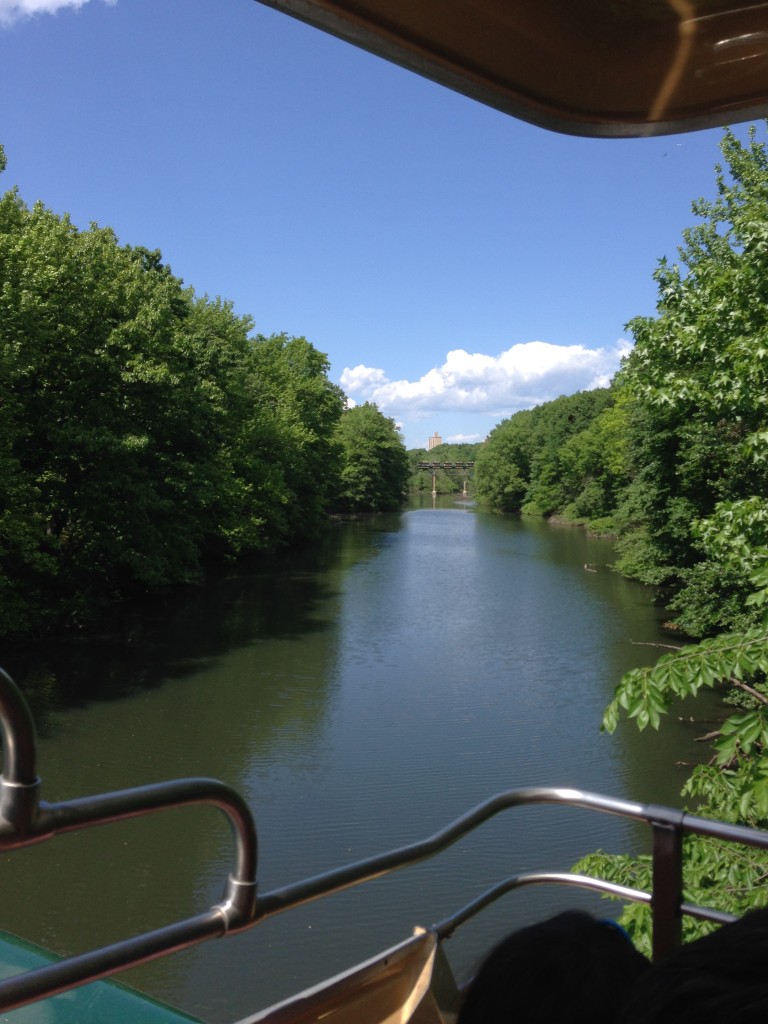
(434,441)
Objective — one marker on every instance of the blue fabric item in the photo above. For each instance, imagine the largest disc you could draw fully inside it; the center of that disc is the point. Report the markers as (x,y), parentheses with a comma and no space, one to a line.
(616,927)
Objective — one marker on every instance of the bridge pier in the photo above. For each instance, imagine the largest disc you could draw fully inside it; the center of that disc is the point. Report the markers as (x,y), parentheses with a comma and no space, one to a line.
(433,467)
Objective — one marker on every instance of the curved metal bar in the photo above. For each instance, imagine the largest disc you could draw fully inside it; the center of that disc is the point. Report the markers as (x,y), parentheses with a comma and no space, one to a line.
(104,808)
(448,925)
(25,820)
(53,979)
(18,735)
(279,900)
(234,913)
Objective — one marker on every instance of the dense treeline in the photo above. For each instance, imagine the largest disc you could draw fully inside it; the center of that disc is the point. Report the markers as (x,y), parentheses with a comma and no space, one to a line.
(145,431)
(678,466)
(374,472)
(552,460)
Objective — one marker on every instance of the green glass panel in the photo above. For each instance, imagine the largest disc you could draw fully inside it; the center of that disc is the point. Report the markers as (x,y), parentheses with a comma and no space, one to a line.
(100,1001)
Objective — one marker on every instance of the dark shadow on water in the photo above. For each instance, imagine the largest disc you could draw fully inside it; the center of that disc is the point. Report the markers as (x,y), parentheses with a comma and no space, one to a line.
(177,633)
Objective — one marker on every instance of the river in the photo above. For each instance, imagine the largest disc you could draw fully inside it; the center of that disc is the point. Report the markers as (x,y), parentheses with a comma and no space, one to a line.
(360,696)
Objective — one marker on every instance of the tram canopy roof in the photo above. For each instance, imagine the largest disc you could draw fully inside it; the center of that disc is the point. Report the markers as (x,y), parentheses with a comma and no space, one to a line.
(612,68)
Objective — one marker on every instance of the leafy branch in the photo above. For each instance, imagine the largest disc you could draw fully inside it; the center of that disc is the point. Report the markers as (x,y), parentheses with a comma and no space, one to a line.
(647,693)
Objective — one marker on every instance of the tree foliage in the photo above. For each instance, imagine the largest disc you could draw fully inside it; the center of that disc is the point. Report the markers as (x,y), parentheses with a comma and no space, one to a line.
(374,462)
(299,409)
(699,378)
(554,459)
(697,516)
(143,430)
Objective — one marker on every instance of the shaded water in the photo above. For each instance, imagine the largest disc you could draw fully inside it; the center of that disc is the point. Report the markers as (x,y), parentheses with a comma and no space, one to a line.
(360,696)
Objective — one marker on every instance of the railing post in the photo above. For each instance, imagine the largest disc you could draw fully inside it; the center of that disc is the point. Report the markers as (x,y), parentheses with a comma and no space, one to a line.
(667,895)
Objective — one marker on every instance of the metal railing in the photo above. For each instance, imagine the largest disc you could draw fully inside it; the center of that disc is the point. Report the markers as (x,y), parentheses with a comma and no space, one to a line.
(26,819)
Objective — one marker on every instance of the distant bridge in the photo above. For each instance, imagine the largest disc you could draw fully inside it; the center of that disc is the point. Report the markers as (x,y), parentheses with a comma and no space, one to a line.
(448,466)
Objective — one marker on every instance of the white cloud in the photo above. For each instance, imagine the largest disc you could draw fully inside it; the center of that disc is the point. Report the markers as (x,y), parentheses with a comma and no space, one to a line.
(464,438)
(362,379)
(12,11)
(522,376)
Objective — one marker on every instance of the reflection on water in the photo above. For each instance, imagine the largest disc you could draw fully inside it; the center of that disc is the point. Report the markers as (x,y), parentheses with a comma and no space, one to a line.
(174,635)
(361,696)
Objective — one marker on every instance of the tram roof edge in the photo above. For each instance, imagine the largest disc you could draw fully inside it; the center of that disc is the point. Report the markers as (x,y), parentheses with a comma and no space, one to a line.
(597,68)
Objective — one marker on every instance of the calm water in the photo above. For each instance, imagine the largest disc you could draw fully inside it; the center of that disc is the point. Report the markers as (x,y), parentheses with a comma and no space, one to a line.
(360,696)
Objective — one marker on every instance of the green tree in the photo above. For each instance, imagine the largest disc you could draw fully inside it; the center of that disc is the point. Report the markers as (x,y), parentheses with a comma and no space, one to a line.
(533,463)
(554,424)
(698,440)
(143,430)
(296,412)
(593,468)
(503,466)
(25,562)
(374,462)
(699,376)
(103,426)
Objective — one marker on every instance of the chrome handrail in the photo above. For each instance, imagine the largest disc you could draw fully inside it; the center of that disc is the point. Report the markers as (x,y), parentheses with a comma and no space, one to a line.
(668,826)
(25,819)
(309,889)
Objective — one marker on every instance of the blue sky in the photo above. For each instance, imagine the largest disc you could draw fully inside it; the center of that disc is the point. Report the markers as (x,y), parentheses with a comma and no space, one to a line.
(455,265)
